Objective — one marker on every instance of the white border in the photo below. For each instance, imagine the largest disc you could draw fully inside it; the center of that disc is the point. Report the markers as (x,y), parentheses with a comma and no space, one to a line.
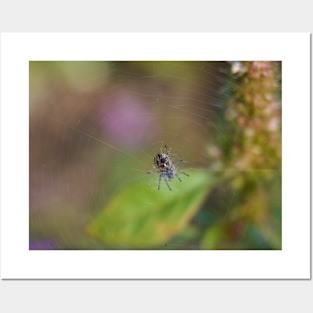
(292,262)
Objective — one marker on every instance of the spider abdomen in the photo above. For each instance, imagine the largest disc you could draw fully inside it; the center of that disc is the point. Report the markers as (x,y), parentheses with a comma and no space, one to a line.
(170,173)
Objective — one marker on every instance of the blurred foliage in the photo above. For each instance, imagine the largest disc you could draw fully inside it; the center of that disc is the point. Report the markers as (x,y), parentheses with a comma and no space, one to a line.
(251,157)
(96,126)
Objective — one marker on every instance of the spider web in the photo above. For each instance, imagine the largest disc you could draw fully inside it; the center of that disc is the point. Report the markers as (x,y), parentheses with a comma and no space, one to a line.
(96,126)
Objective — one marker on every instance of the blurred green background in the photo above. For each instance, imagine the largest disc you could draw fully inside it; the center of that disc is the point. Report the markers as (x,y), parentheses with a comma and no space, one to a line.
(95,128)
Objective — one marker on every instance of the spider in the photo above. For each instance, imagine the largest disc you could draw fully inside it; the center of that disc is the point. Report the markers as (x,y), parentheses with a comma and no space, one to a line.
(165,166)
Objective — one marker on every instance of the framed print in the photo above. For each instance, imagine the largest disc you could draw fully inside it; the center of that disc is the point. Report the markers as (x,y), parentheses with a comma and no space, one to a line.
(163,156)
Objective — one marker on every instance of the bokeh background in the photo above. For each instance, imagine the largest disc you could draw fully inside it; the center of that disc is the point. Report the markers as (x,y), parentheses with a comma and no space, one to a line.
(95,128)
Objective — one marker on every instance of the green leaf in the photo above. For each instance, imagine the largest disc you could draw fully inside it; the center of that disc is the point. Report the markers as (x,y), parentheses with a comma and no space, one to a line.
(140,216)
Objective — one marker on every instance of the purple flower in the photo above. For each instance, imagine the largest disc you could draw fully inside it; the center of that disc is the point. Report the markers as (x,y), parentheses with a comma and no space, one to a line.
(45,244)
(126,120)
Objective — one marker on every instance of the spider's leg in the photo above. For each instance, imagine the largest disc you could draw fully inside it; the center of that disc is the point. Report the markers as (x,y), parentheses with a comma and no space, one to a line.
(167,150)
(152,171)
(184,173)
(178,177)
(167,184)
(159,181)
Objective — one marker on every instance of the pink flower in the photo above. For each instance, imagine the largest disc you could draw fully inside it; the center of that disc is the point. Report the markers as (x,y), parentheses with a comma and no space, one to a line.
(126,120)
